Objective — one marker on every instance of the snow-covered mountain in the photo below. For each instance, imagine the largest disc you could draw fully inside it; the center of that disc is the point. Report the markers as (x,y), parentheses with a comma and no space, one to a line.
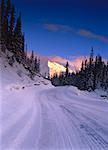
(56,68)
(56,64)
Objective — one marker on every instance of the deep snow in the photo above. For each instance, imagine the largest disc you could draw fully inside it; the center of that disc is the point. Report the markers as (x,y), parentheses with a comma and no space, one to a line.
(37,116)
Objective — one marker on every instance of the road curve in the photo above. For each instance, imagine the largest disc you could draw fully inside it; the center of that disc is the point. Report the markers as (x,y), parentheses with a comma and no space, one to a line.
(61,118)
(71,120)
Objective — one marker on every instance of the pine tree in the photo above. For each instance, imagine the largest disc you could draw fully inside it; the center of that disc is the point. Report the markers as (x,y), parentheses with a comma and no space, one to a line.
(32,61)
(5,30)
(12,20)
(67,69)
(11,41)
(38,65)
(8,8)
(55,80)
(23,43)
(18,25)
(2,21)
(82,66)
(32,56)
(18,36)
(26,51)
(6,23)
(91,57)
(2,9)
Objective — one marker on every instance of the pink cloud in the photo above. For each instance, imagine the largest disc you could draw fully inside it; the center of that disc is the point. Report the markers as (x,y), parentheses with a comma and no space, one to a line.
(58,27)
(81,32)
(92,35)
(75,64)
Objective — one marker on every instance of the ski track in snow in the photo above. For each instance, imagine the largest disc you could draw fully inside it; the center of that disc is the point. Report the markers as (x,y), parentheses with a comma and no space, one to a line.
(57,119)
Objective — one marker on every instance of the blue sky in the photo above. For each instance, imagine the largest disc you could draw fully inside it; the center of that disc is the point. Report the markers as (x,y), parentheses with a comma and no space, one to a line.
(65,28)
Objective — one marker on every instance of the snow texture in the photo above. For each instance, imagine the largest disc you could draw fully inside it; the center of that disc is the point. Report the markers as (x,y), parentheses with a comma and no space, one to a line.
(37,116)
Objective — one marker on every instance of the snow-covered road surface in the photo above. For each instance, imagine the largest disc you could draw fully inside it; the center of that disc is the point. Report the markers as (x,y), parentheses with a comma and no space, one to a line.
(61,118)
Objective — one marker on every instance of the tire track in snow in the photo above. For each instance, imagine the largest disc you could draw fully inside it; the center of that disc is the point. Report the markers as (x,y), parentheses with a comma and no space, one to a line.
(32,138)
(93,139)
(91,131)
(66,132)
(58,121)
(14,130)
(73,131)
(16,143)
(12,120)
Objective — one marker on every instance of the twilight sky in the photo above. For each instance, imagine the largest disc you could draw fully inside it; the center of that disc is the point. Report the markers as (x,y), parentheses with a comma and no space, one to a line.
(65,27)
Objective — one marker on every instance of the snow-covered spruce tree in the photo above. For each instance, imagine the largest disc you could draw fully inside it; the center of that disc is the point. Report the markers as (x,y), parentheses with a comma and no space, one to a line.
(63,79)
(2,13)
(36,63)
(81,78)
(55,80)
(99,72)
(89,72)
(23,44)
(105,78)
(96,75)
(84,78)
(8,8)
(4,35)
(67,69)
(38,66)
(32,61)
(12,38)
(6,22)
(19,41)
(11,41)
(18,36)
(93,75)
(2,10)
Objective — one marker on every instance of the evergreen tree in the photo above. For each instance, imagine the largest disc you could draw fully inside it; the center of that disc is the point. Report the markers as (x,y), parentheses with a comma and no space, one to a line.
(2,10)
(23,43)
(55,80)
(18,36)
(32,61)
(82,66)
(11,41)
(26,51)
(32,56)
(91,57)
(3,25)
(8,8)
(67,69)
(85,63)
(12,20)
(5,31)
(38,65)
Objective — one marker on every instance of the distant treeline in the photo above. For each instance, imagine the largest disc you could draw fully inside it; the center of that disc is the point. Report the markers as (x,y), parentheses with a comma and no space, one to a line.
(93,75)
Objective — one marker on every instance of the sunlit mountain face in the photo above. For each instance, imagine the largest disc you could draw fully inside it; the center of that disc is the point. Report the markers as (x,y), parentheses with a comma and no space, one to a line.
(56,68)
(50,65)
(57,65)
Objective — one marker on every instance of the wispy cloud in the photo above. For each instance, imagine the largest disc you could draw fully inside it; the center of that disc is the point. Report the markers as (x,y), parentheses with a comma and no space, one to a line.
(58,27)
(92,35)
(81,32)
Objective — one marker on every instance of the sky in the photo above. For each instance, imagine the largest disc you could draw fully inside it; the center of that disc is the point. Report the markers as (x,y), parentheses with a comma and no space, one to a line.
(65,27)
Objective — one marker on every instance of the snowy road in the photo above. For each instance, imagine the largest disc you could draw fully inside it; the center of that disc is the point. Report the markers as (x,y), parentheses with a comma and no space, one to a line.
(61,118)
